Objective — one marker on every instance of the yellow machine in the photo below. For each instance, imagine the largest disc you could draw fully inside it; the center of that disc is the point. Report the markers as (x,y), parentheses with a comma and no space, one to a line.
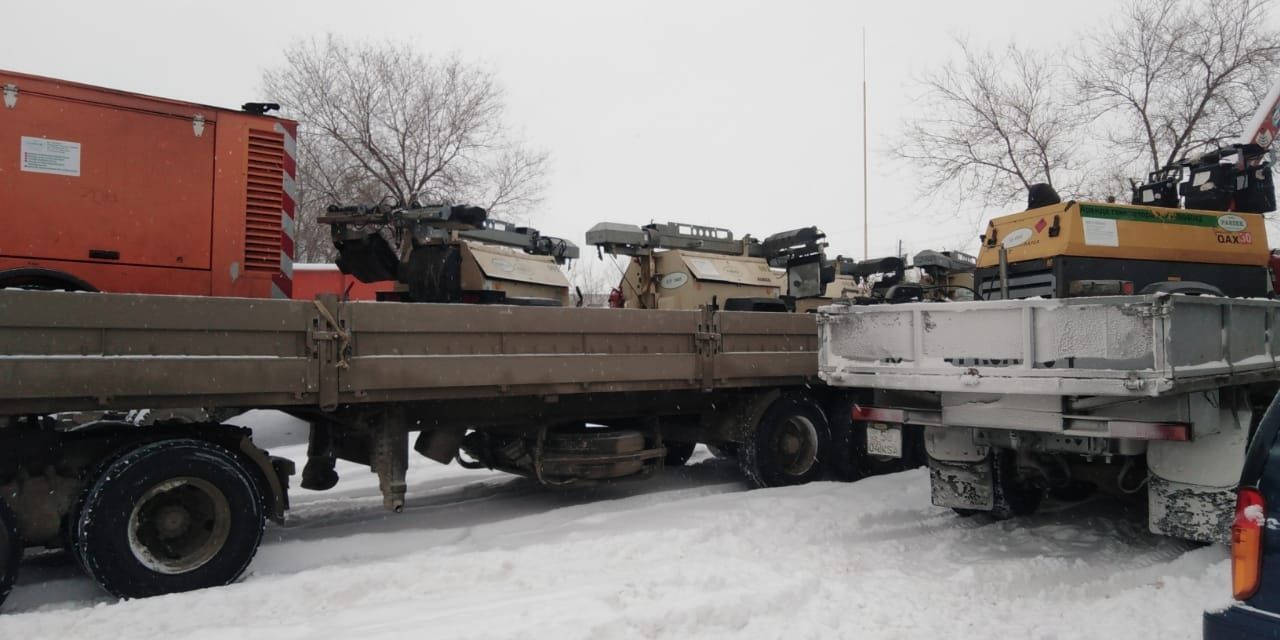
(1217,244)
(1043,251)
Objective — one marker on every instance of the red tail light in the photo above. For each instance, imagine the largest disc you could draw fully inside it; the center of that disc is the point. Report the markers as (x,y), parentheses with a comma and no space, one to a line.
(1246,543)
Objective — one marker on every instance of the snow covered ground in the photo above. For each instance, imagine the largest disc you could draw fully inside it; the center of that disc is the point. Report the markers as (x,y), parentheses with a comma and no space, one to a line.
(689,554)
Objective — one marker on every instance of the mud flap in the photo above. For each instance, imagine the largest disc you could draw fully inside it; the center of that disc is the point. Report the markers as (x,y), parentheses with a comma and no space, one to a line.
(960,472)
(1189,511)
(962,485)
(1191,484)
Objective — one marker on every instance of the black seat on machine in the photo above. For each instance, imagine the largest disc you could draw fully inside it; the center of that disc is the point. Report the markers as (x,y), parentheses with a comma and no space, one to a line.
(1041,195)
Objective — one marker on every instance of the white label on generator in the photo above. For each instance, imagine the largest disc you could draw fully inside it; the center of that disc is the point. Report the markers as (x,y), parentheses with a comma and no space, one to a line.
(59,157)
(1017,237)
(674,280)
(1232,222)
(1101,232)
(704,268)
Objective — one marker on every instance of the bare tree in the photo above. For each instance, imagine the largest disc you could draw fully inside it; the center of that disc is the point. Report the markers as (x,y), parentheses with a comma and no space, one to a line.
(995,124)
(381,120)
(1175,77)
(1162,80)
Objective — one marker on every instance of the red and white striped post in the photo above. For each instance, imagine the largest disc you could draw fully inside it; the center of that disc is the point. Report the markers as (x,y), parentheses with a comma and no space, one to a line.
(282,282)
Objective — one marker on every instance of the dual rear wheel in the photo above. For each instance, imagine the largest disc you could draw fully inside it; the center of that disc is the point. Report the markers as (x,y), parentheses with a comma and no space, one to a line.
(789,446)
(169,516)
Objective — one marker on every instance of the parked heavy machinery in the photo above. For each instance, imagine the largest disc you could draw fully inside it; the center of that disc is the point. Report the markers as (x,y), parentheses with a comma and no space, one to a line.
(1062,249)
(685,266)
(939,276)
(204,205)
(450,253)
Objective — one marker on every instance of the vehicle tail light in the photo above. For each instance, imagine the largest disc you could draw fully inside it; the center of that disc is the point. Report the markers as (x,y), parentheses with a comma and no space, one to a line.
(864,413)
(1246,543)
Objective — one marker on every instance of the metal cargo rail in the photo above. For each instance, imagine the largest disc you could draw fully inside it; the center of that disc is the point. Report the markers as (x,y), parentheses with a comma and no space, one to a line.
(72,351)
(1114,346)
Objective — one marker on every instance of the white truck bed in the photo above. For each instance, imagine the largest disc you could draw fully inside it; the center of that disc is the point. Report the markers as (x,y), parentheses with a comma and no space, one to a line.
(1113,346)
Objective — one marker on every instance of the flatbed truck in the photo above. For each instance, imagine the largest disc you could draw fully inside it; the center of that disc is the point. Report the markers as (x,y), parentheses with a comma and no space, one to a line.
(153,494)
(1125,348)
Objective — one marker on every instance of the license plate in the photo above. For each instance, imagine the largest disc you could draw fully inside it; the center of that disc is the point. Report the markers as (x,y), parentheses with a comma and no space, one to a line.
(884,440)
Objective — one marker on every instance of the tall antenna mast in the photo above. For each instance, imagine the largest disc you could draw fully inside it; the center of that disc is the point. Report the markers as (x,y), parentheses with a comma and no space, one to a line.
(865,210)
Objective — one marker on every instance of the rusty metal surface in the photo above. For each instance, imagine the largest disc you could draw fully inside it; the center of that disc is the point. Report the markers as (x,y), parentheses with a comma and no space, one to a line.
(61,351)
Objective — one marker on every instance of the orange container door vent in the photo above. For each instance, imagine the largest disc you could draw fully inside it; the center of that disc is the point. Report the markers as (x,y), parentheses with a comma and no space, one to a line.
(264,202)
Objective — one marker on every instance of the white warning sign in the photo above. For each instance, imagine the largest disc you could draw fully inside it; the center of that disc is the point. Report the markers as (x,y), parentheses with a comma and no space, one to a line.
(1101,232)
(42,155)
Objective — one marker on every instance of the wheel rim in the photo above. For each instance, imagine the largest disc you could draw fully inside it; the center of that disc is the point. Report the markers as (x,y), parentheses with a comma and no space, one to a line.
(797,445)
(179,525)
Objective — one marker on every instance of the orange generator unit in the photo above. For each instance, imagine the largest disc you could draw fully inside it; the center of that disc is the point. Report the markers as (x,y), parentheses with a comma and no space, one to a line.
(104,190)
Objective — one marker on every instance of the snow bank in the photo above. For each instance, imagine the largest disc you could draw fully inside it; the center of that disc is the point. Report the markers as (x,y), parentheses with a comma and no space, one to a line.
(691,554)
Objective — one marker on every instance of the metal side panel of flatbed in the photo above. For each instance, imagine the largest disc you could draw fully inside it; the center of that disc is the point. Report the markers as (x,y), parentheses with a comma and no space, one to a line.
(1114,346)
(70,351)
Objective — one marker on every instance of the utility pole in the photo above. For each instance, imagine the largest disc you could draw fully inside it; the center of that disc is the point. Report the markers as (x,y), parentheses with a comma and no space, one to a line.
(866,254)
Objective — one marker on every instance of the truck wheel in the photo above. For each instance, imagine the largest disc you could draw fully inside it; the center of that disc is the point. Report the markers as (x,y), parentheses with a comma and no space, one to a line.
(10,550)
(789,446)
(169,516)
(71,522)
(678,453)
(1013,496)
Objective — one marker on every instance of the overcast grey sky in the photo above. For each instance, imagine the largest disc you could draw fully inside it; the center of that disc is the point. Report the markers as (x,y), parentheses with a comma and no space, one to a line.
(745,115)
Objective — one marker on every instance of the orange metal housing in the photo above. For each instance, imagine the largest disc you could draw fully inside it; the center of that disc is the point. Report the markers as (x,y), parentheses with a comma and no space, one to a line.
(129,193)
(311,280)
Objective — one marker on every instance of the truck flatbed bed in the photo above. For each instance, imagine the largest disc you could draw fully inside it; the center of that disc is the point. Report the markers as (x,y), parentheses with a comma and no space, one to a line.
(1150,345)
(63,352)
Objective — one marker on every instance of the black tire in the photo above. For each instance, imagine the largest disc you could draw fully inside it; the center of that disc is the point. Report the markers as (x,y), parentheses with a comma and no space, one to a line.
(789,446)
(1014,497)
(10,550)
(205,496)
(678,453)
(39,279)
(71,522)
